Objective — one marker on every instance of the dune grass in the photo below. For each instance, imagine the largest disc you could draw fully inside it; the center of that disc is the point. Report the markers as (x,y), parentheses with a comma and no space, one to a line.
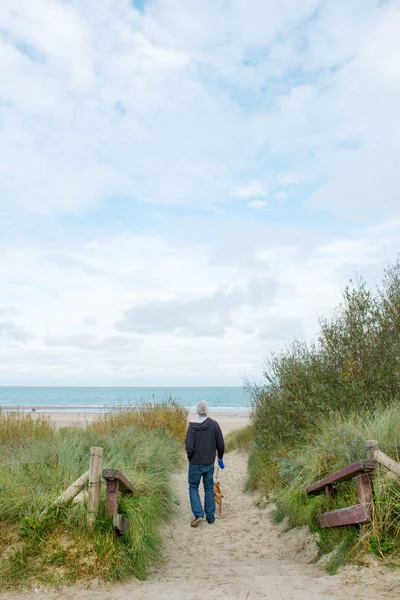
(169,415)
(239,439)
(37,463)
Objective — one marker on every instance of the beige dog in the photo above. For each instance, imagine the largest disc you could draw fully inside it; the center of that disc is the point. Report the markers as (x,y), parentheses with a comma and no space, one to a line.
(218,495)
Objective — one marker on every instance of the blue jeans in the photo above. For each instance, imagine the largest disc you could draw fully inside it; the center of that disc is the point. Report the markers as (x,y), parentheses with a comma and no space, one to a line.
(196,472)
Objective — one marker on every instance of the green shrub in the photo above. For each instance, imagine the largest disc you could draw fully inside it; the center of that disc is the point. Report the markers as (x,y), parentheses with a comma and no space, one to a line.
(321,402)
(352,366)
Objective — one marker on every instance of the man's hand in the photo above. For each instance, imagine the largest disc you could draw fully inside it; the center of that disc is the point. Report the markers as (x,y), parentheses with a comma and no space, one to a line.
(221,463)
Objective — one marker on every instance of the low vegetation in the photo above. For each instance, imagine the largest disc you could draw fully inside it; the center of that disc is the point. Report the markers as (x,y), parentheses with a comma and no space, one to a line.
(240,439)
(37,463)
(320,404)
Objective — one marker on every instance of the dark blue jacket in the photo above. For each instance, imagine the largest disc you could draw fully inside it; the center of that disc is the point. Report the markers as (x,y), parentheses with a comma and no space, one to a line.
(203,441)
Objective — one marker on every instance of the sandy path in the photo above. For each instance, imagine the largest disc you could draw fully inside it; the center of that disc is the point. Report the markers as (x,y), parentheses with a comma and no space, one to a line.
(242,556)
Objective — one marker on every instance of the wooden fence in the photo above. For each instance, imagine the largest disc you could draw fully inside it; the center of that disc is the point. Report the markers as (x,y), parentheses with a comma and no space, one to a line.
(115,482)
(363,471)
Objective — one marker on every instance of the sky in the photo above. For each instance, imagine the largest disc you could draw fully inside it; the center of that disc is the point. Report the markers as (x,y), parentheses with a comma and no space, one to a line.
(186,186)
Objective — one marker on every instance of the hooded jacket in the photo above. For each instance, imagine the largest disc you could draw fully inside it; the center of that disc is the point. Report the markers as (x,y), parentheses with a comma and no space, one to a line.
(203,441)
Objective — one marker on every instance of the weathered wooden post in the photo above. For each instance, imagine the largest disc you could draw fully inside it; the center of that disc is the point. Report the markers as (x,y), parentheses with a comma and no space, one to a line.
(371,446)
(96,462)
(116,481)
(112,489)
(364,490)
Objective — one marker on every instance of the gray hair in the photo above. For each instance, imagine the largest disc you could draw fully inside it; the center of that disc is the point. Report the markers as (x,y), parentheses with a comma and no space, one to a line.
(202,408)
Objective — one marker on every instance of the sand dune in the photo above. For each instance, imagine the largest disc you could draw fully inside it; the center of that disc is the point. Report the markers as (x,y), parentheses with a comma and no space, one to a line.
(242,556)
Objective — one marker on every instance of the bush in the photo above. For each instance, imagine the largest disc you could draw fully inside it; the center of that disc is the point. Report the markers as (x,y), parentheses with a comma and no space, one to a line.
(353,365)
(322,401)
(60,549)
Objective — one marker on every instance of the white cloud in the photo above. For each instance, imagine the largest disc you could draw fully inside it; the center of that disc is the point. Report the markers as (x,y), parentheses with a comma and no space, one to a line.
(139,309)
(175,105)
(258,204)
(254,188)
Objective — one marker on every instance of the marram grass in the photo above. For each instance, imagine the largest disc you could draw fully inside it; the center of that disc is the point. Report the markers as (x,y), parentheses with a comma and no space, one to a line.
(37,463)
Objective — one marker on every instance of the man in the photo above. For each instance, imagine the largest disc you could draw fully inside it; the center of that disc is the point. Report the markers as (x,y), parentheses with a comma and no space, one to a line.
(203,440)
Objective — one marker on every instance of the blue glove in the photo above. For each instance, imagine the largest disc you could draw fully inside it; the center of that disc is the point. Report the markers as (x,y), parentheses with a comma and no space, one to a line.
(221,463)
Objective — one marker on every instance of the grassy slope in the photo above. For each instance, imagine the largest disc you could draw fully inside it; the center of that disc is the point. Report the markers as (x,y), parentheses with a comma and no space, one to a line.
(38,463)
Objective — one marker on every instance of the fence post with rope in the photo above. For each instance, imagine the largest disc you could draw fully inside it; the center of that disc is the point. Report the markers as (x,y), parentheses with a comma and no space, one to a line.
(95,469)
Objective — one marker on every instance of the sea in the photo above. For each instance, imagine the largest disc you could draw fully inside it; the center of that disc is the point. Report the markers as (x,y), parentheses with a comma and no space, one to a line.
(99,399)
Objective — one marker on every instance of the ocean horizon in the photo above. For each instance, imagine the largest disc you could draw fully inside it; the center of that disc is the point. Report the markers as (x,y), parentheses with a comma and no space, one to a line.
(98,398)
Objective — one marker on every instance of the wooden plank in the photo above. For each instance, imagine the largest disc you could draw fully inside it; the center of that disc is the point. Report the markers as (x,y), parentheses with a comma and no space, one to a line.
(69,494)
(124,484)
(96,460)
(364,489)
(386,461)
(360,513)
(362,466)
(112,497)
(121,524)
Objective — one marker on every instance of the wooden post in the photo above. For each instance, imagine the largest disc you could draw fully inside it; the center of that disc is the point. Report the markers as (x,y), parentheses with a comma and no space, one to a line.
(365,496)
(364,489)
(329,489)
(112,490)
(116,481)
(96,460)
(371,446)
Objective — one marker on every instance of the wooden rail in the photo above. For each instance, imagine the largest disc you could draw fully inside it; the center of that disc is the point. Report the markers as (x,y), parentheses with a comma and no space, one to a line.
(359,513)
(362,471)
(116,482)
(69,494)
(372,448)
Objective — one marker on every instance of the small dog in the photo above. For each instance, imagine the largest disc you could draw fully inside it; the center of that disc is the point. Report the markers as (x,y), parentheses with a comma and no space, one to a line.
(218,495)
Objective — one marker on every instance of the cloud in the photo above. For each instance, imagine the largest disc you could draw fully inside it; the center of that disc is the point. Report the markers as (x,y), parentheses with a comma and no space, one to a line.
(167,310)
(211,315)
(180,103)
(84,341)
(257,204)
(6,311)
(10,333)
(251,189)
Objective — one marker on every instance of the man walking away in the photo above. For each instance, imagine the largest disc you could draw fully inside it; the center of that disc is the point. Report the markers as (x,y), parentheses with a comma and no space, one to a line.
(203,440)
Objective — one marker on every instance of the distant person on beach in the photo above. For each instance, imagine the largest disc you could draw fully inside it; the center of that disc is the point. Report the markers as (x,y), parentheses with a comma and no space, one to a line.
(204,440)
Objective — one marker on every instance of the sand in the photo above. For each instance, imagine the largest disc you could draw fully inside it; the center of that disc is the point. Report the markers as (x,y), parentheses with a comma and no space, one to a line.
(242,556)
(228,420)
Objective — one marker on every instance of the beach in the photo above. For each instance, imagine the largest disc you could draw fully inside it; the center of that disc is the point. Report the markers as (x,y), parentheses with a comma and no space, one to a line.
(228,420)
